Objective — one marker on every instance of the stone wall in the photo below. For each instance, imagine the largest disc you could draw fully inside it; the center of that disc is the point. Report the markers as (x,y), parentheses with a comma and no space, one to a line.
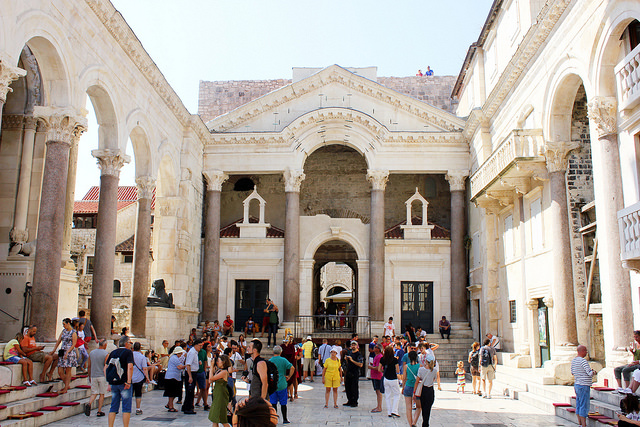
(220,97)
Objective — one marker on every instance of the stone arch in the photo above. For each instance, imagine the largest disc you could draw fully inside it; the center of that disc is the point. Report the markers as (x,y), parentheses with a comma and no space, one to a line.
(56,85)
(322,238)
(561,95)
(108,137)
(167,185)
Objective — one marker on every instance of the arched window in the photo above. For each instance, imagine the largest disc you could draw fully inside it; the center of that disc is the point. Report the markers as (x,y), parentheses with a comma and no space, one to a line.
(116,287)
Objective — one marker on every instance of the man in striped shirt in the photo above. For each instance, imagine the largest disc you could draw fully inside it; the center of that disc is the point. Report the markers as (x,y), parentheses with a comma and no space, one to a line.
(583,375)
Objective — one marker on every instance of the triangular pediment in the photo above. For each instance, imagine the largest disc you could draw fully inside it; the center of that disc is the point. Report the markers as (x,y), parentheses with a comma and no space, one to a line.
(336,88)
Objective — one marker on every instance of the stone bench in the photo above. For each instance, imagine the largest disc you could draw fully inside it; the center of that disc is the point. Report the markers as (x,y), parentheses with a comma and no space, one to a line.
(12,374)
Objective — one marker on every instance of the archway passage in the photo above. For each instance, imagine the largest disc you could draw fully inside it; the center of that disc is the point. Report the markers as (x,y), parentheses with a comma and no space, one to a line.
(335,285)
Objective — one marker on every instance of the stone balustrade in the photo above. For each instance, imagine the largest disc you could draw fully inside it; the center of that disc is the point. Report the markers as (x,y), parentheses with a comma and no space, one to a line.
(520,144)
(629,223)
(628,78)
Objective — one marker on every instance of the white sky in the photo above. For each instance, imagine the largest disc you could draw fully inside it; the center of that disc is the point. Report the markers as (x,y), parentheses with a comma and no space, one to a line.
(193,40)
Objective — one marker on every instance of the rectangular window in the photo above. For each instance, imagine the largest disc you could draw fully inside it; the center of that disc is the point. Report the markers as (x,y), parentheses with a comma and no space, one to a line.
(128,259)
(508,237)
(512,311)
(90,261)
(536,224)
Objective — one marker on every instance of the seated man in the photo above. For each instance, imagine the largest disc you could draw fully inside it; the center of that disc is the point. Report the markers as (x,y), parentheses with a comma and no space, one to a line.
(13,353)
(250,327)
(625,371)
(35,354)
(495,341)
(227,326)
(445,327)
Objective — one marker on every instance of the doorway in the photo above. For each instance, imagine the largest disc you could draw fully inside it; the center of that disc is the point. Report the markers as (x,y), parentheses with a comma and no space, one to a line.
(417,305)
(543,332)
(251,296)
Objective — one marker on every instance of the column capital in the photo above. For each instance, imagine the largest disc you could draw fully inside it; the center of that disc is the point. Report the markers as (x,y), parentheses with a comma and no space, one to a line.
(556,154)
(12,121)
(110,161)
(457,179)
(293,180)
(532,304)
(146,185)
(63,124)
(603,112)
(215,178)
(30,122)
(378,178)
(548,301)
(8,74)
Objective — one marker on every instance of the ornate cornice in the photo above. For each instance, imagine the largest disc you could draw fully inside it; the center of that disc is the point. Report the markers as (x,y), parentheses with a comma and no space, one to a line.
(355,83)
(527,51)
(378,178)
(457,179)
(110,161)
(146,185)
(603,112)
(122,33)
(8,74)
(248,138)
(215,178)
(293,180)
(556,154)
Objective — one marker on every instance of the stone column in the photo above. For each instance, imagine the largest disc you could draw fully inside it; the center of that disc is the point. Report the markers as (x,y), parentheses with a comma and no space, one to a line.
(110,163)
(291,302)
(378,179)
(68,208)
(141,260)
(8,74)
(211,259)
(19,233)
(617,312)
(492,314)
(564,315)
(458,257)
(46,269)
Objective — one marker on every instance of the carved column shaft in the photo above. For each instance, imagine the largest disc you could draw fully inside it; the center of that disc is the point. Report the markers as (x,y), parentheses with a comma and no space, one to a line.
(141,259)
(110,163)
(211,267)
(291,302)
(378,181)
(458,256)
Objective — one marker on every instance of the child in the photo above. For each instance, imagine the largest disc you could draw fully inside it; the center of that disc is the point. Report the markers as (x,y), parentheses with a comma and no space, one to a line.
(630,408)
(80,344)
(460,374)
(332,377)
(217,329)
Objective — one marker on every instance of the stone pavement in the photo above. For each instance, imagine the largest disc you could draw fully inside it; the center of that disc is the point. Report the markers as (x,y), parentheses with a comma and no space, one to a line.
(450,409)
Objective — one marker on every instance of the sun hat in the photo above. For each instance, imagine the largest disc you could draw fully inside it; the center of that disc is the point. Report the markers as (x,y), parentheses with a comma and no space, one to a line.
(335,348)
(308,337)
(177,350)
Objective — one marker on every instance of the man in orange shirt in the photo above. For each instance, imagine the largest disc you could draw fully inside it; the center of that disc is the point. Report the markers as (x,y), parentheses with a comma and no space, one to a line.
(227,326)
(35,353)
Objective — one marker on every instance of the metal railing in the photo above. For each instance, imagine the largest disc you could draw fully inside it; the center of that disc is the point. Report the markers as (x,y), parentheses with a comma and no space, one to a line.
(332,326)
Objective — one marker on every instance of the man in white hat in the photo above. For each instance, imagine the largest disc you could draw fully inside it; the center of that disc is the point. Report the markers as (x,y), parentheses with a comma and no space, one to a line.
(308,367)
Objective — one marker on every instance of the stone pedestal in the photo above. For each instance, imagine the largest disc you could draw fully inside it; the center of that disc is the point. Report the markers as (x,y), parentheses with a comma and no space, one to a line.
(291,302)
(168,324)
(378,179)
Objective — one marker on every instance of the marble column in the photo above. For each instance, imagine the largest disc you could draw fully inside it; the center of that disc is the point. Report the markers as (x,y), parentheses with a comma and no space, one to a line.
(617,312)
(458,256)
(68,208)
(564,315)
(292,182)
(141,260)
(19,233)
(211,259)
(46,269)
(378,180)
(110,163)
(8,74)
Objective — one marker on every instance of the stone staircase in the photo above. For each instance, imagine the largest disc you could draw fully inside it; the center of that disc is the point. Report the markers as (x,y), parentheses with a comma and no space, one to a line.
(602,411)
(450,352)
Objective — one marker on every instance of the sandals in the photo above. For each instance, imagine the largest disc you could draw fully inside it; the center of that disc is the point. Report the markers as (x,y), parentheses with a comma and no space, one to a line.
(325,406)
(335,406)
(26,383)
(100,414)
(172,410)
(374,410)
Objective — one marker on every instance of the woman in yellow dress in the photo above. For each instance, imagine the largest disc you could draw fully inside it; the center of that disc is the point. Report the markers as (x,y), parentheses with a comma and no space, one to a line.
(332,377)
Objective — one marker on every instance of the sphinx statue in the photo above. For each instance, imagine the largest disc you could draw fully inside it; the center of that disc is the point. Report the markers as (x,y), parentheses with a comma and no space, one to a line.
(159,296)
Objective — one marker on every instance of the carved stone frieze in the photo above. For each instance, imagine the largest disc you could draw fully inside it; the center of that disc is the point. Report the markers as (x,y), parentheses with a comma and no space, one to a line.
(215,178)
(30,122)
(110,161)
(457,179)
(603,112)
(293,180)
(146,185)
(12,121)
(8,74)
(254,139)
(556,154)
(378,178)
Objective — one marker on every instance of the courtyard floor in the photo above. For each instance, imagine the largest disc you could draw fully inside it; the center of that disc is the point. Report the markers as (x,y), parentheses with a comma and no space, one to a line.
(450,409)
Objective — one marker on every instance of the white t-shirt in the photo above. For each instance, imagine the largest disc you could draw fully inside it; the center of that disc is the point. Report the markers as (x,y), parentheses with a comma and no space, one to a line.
(495,342)
(427,376)
(80,337)
(235,358)
(389,328)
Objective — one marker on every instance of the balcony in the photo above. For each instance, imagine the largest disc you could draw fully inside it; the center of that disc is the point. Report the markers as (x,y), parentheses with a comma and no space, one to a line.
(629,225)
(520,146)
(628,78)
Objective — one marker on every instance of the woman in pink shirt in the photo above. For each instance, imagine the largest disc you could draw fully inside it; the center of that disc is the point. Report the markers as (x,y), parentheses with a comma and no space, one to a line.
(376,376)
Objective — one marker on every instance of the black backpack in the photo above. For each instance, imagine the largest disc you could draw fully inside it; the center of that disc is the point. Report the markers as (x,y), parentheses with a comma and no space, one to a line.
(485,357)
(475,358)
(111,373)
(272,374)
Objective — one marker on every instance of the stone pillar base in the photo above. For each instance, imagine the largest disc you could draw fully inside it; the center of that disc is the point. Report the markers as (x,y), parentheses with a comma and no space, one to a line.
(564,353)
(560,370)
(67,297)
(168,324)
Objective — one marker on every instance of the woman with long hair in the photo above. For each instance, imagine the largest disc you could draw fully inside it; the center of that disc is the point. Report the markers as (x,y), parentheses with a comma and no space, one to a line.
(253,412)
(68,358)
(410,374)
(218,375)
(391,370)
(242,345)
(474,364)
(423,389)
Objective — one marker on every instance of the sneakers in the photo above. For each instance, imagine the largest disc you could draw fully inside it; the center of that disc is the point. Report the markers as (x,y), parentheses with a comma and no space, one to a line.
(153,382)
(624,391)
(138,411)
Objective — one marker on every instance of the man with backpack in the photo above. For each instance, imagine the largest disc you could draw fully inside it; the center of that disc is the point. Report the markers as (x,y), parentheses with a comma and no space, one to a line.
(259,380)
(119,373)
(488,362)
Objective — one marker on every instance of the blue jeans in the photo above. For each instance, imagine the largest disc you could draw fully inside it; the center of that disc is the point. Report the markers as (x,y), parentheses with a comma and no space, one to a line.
(119,393)
(583,401)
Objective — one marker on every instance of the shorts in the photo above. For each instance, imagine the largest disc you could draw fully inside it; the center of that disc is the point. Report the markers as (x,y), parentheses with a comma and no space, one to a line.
(488,372)
(308,365)
(279,396)
(14,359)
(636,375)
(99,385)
(118,393)
(38,356)
(583,400)
(407,391)
(201,380)
(332,382)
(378,385)
(475,372)
(137,389)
